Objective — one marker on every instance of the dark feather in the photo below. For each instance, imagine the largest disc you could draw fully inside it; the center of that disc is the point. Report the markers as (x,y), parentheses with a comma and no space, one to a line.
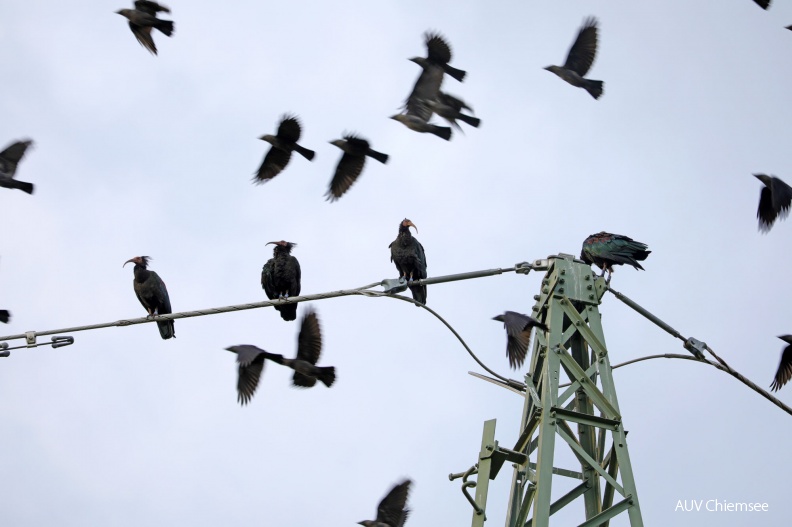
(583,51)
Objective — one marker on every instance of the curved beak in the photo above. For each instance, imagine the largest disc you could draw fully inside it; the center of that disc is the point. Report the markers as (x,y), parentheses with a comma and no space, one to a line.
(408,223)
(130,260)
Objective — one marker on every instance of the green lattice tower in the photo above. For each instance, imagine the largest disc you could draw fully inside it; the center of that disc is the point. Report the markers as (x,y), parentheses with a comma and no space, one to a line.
(584,415)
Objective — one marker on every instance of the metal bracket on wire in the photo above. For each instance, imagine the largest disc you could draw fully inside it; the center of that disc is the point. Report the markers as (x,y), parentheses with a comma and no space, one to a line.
(30,338)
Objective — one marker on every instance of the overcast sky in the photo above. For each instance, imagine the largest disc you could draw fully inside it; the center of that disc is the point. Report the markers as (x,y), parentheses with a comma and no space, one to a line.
(142,155)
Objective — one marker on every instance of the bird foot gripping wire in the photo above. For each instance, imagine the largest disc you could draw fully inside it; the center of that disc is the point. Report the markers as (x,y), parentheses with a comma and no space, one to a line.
(468,484)
(30,339)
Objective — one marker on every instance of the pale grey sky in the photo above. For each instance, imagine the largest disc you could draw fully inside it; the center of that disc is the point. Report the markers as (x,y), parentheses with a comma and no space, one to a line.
(143,155)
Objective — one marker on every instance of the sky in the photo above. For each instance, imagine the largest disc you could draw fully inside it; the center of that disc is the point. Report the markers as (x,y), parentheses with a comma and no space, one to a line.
(142,155)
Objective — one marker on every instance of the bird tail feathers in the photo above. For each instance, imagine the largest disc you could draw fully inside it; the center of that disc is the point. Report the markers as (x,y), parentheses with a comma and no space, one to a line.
(594,88)
(442,131)
(469,119)
(326,375)
(306,153)
(454,72)
(379,156)
(165,26)
(166,329)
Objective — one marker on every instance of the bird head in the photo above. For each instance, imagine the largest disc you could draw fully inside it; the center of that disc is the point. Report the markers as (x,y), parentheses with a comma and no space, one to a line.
(786,338)
(142,261)
(340,143)
(367,523)
(399,117)
(554,69)
(406,224)
(499,318)
(282,246)
(268,138)
(421,61)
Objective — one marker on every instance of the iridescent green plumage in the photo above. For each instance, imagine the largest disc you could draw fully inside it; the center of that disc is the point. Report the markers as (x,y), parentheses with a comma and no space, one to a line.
(606,250)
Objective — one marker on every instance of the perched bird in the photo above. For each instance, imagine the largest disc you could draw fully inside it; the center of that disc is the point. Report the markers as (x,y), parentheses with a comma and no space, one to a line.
(392,511)
(408,255)
(518,335)
(282,145)
(351,164)
(774,201)
(784,372)
(580,58)
(416,123)
(152,293)
(280,277)
(606,250)
(9,159)
(143,18)
(251,363)
(438,53)
(5,316)
(309,347)
(450,108)
(764,4)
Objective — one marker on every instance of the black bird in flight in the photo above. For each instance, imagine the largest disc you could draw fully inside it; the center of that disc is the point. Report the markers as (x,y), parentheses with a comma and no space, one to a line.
(280,277)
(774,201)
(309,346)
(351,163)
(450,108)
(5,316)
(606,250)
(580,58)
(143,18)
(392,511)
(408,255)
(784,372)
(418,124)
(518,335)
(9,159)
(438,53)
(283,143)
(764,4)
(152,293)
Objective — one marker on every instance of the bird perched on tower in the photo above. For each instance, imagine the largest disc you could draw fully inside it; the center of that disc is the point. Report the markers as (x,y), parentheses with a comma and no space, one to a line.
(408,255)
(143,18)
(309,346)
(280,277)
(580,58)
(9,159)
(392,511)
(606,250)
(518,335)
(351,164)
(774,201)
(283,143)
(152,293)
(784,372)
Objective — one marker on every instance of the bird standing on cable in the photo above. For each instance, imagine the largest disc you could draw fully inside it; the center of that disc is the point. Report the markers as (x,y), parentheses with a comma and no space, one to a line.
(283,143)
(606,250)
(9,159)
(580,58)
(143,18)
(281,277)
(351,164)
(392,511)
(518,335)
(784,372)
(774,201)
(408,255)
(152,293)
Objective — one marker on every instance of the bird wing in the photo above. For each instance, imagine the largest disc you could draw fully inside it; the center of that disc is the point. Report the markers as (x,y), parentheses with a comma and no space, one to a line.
(160,293)
(10,157)
(782,197)
(349,168)
(421,255)
(147,6)
(391,509)
(453,102)
(274,162)
(784,372)
(309,340)
(293,268)
(289,128)
(248,378)
(267,280)
(5,316)
(766,213)
(437,49)
(426,88)
(581,54)
(143,35)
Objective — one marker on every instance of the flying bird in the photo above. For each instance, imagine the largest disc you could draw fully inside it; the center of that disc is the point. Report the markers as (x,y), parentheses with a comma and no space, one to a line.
(606,250)
(580,58)
(283,143)
(774,201)
(408,255)
(152,293)
(280,277)
(518,335)
(143,18)
(9,159)
(351,164)
(392,511)
(309,347)
(450,108)
(251,363)
(417,124)
(784,372)
(5,316)
(438,53)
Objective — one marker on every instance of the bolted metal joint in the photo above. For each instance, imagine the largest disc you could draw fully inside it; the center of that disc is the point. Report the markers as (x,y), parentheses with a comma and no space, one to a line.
(696,347)
(394,285)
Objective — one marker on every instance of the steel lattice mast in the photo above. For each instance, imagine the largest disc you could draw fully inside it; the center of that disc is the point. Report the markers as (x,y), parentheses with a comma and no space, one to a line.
(583,416)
